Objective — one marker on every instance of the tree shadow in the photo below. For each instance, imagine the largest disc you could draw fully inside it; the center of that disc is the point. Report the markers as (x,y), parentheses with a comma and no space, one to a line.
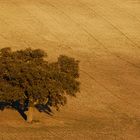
(44,108)
(22,108)
(15,106)
(4,105)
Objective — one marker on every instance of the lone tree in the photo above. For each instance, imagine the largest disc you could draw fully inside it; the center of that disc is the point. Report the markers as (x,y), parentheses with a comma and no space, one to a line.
(27,78)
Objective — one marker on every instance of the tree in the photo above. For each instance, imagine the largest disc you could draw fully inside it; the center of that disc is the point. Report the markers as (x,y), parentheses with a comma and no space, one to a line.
(26,77)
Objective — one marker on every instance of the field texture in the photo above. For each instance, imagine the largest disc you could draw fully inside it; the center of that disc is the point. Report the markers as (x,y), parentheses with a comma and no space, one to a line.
(105,36)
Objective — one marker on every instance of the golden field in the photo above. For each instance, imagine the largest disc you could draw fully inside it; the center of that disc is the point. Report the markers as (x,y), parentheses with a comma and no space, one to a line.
(105,37)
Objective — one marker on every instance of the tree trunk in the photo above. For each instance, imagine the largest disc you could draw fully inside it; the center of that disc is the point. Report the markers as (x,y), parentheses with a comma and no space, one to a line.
(30,114)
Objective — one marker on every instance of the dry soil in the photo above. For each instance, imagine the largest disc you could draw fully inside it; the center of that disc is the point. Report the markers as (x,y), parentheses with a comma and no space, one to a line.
(105,36)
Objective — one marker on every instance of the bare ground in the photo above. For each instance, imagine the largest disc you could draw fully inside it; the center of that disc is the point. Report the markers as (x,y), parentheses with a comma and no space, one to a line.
(105,37)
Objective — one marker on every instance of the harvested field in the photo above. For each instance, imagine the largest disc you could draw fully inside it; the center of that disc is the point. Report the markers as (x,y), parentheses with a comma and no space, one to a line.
(105,37)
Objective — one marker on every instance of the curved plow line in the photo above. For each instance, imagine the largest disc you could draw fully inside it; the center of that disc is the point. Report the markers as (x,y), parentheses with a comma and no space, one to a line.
(85,30)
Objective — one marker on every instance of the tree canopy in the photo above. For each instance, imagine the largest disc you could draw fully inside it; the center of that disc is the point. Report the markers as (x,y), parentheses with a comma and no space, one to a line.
(25,75)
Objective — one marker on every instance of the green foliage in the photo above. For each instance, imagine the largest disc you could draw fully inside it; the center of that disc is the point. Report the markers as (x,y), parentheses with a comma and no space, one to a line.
(25,75)
(69,66)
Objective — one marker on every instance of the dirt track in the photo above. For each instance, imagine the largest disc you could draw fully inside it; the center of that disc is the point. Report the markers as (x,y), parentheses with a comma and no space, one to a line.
(105,37)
